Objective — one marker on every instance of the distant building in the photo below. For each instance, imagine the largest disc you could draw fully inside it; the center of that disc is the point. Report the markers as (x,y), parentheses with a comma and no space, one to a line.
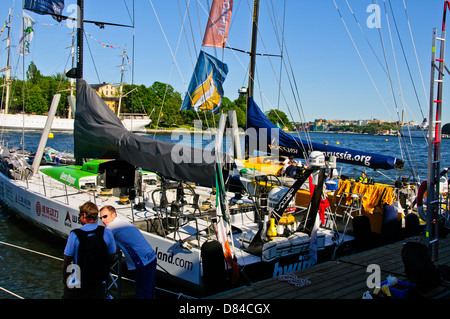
(108,93)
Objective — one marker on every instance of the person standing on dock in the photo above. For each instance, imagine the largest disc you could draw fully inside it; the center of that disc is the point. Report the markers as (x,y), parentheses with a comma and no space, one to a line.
(88,255)
(139,254)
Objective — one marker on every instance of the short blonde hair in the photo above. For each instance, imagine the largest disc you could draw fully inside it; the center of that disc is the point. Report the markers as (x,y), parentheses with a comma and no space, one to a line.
(110,208)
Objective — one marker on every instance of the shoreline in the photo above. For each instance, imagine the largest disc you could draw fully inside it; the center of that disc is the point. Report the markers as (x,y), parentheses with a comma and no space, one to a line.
(213,132)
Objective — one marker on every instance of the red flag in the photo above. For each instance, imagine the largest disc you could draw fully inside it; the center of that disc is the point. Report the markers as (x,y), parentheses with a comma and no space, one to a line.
(324,203)
(216,31)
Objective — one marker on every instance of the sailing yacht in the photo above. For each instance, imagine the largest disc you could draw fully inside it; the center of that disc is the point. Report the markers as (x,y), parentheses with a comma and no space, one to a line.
(174,193)
(206,236)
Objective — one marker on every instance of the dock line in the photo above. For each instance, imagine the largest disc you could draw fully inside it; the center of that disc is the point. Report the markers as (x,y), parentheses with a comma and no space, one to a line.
(11,293)
(60,259)
(364,266)
(30,250)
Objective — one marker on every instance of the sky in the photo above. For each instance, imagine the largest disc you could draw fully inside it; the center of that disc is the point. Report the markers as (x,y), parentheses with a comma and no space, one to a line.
(337,67)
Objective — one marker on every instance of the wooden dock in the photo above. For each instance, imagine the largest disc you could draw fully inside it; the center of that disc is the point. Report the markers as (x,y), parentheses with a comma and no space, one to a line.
(345,278)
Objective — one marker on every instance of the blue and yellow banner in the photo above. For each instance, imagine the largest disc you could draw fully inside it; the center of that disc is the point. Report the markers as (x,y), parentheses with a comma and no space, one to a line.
(205,90)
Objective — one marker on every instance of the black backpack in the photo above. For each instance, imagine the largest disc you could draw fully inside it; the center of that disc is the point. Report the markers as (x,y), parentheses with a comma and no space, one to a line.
(92,256)
(419,268)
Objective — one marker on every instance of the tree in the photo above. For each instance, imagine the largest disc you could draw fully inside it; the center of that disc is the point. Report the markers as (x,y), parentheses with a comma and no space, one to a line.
(278,117)
(33,74)
(34,100)
(238,106)
(168,102)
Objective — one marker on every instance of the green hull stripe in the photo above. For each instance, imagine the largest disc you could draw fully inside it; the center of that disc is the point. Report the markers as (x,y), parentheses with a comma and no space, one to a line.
(69,175)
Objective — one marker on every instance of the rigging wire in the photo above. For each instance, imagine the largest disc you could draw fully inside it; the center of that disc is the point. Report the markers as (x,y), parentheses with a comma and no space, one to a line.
(413,167)
(10,18)
(406,59)
(173,54)
(360,57)
(410,162)
(386,68)
(293,84)
(204,112)
(296,96)
(282,47)
(371,46)
(133,55)
(398,74)
(22,142)
(183,31)
(168,44)
(92,57)
(391,84)
(415,53)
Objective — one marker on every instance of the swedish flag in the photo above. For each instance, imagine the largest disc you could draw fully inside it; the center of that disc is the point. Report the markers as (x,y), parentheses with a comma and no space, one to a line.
(205,90)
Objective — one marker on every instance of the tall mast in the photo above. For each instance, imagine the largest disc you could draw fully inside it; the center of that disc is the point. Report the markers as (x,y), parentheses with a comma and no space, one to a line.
(434,145)
(77,72)
(253,48)
(7,69)
(251,77)
(71,97)
(121,83)
(80,34)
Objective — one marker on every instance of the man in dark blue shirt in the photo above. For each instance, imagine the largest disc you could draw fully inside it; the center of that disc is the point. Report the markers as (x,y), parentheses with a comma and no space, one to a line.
(291,169)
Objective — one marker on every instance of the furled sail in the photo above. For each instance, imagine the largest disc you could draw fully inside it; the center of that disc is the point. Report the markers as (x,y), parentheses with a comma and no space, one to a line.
(99,133)
(264,135)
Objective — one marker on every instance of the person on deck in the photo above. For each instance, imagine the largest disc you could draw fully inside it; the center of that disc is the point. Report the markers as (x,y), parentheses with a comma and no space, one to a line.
(88,255)
(363,178)
(291,169)
(286,163)
(139,254)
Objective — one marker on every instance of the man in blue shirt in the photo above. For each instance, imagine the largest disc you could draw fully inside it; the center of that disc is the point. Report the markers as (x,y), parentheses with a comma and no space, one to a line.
(139,254)
(291,169)
(89,252)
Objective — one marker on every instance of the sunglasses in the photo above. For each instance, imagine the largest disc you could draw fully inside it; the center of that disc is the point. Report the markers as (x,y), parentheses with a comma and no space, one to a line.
(104,216)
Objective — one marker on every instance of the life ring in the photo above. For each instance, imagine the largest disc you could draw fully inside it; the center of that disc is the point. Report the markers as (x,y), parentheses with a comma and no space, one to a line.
(420,194)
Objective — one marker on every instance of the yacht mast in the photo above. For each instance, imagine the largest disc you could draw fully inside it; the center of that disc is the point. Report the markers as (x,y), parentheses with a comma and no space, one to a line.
(252,63)
(121,83)
(7,69)
(77,72)
(253,48)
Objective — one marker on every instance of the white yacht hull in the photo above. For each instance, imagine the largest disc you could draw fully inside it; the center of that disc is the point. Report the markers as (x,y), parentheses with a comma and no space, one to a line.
(54,206)
(49,210)
(37,122)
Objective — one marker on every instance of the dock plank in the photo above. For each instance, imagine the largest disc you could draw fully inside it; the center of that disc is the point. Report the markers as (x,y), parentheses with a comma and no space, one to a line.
(344,278)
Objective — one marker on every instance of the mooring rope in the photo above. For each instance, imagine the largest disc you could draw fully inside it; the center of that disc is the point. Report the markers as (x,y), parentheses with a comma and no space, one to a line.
(11,293)
(294,280)
(60,259)
(30,250)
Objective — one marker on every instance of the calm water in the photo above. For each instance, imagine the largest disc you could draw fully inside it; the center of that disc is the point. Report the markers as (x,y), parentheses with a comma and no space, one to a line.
(37,277)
